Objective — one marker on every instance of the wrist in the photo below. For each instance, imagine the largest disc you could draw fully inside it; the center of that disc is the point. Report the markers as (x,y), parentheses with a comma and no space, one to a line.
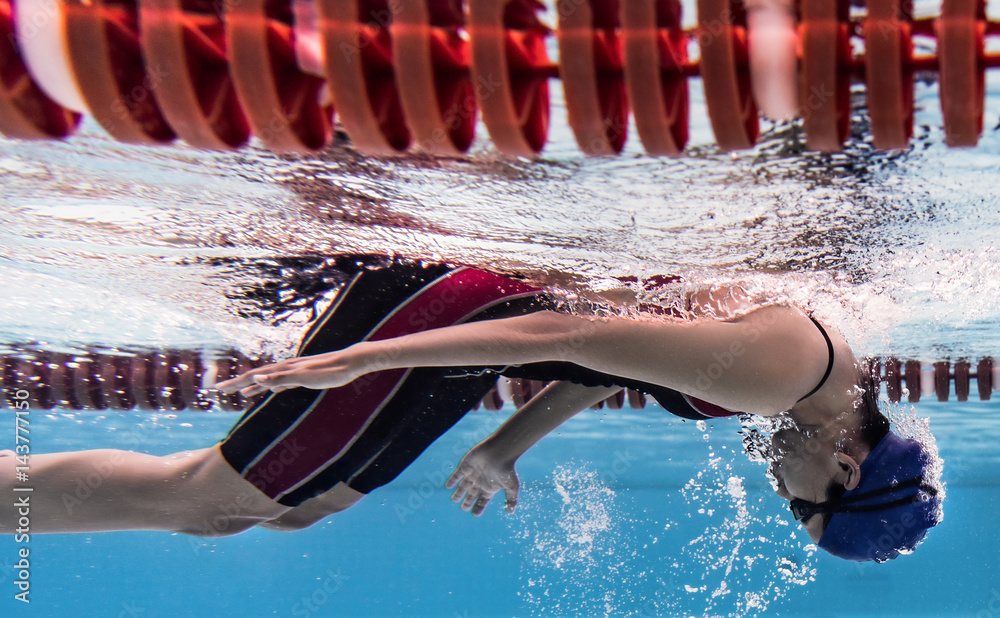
(368,357)
(501,447)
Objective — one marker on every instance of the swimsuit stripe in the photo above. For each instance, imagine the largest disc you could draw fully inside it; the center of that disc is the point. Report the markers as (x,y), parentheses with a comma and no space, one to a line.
(376,409)
(357,309)
(370,404)
(302,451)
(707,409)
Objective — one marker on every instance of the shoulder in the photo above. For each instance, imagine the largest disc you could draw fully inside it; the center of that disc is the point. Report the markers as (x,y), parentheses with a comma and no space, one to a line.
(840,389)
(796,351)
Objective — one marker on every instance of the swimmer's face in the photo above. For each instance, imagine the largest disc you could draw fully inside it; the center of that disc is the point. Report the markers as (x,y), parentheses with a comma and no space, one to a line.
(804,467)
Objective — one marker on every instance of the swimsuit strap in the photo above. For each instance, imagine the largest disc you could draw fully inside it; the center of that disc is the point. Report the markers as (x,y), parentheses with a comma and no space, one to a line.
(829,364)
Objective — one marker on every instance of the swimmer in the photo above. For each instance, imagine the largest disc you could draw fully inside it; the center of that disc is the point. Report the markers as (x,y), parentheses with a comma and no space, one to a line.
(406,350)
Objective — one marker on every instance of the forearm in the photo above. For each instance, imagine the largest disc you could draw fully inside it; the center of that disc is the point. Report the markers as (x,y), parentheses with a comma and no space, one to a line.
(554,405)
(536,337)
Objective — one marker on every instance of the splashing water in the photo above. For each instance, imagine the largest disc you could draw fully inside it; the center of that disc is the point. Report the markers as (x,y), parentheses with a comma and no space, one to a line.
(584,522)
(738,564)
(581,565)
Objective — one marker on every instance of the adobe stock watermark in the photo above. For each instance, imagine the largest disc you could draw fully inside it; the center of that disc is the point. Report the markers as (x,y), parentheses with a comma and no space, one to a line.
(139,95)
(724,360)
(20,458)
(131,609)
(417,496)
(333,581)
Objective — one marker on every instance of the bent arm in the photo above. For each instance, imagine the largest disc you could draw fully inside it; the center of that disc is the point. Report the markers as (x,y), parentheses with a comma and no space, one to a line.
(489,466)
(554,405)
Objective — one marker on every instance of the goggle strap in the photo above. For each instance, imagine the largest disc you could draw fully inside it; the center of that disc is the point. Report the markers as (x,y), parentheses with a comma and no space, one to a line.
(916,481)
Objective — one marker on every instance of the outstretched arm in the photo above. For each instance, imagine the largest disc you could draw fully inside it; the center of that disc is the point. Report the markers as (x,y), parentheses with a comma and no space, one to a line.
(761,362)
(489,466)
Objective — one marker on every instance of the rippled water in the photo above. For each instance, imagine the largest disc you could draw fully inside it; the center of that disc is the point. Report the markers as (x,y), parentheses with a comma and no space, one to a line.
(898,249)
(103,244)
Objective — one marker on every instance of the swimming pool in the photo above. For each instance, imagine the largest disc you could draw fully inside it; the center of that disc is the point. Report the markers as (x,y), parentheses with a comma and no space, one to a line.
(106,245)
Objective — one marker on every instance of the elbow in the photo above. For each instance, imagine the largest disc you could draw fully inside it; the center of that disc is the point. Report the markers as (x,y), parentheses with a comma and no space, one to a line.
(565,338)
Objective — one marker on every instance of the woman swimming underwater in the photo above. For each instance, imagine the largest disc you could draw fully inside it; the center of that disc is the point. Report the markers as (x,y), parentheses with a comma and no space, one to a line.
(407,349)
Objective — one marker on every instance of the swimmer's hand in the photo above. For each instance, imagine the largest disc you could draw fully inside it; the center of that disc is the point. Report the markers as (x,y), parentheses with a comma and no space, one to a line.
(482,473)
(321,371)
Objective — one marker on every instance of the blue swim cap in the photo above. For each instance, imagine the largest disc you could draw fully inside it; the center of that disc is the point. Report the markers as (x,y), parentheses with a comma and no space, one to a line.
(890,510)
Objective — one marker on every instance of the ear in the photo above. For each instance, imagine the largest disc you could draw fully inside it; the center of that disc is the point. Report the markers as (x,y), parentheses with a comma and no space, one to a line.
(851,470)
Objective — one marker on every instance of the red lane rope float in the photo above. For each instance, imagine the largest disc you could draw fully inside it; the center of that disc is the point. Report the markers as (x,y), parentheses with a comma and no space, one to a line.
(431,53)
(655,51)
(359,65)
(25,111)
(893,379)
(123,398)
(226,369)
(590,49)
(961,32)
(190,370)
(57,379)
(889,72)
(722,39)
(281,101)
(962,380)
(184,44)
(81,393)
(139,373)
(161,386)
(103,41)
(9,378)
(984,378)
(942,380)
(911,373)
(825,79)
(104,381)
(42,384)
(508,69)
(173,380)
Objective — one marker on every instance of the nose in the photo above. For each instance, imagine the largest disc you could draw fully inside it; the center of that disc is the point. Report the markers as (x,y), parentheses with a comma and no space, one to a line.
(779,482)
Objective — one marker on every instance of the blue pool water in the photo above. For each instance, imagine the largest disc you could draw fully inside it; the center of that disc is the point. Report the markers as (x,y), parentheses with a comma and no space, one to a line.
(623,513)
(104,245)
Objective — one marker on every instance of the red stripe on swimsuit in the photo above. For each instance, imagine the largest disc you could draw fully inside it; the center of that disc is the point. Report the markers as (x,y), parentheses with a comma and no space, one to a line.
(341,414)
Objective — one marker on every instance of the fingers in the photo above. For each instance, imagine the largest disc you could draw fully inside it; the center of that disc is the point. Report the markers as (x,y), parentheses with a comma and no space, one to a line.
(253,391)
(250,378)
(243,381)
(481,503)
(470,499)
(511,494)
(472,496)
(455,477)
(463,488)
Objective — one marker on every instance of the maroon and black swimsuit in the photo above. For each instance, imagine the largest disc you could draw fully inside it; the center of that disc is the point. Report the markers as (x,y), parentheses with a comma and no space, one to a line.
(299,443)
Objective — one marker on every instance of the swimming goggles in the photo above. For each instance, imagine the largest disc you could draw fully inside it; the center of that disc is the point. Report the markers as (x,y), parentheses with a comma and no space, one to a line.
(803,510)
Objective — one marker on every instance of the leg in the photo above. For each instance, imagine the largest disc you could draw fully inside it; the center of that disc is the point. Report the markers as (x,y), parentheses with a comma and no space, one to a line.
(314,510)
(193,492)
